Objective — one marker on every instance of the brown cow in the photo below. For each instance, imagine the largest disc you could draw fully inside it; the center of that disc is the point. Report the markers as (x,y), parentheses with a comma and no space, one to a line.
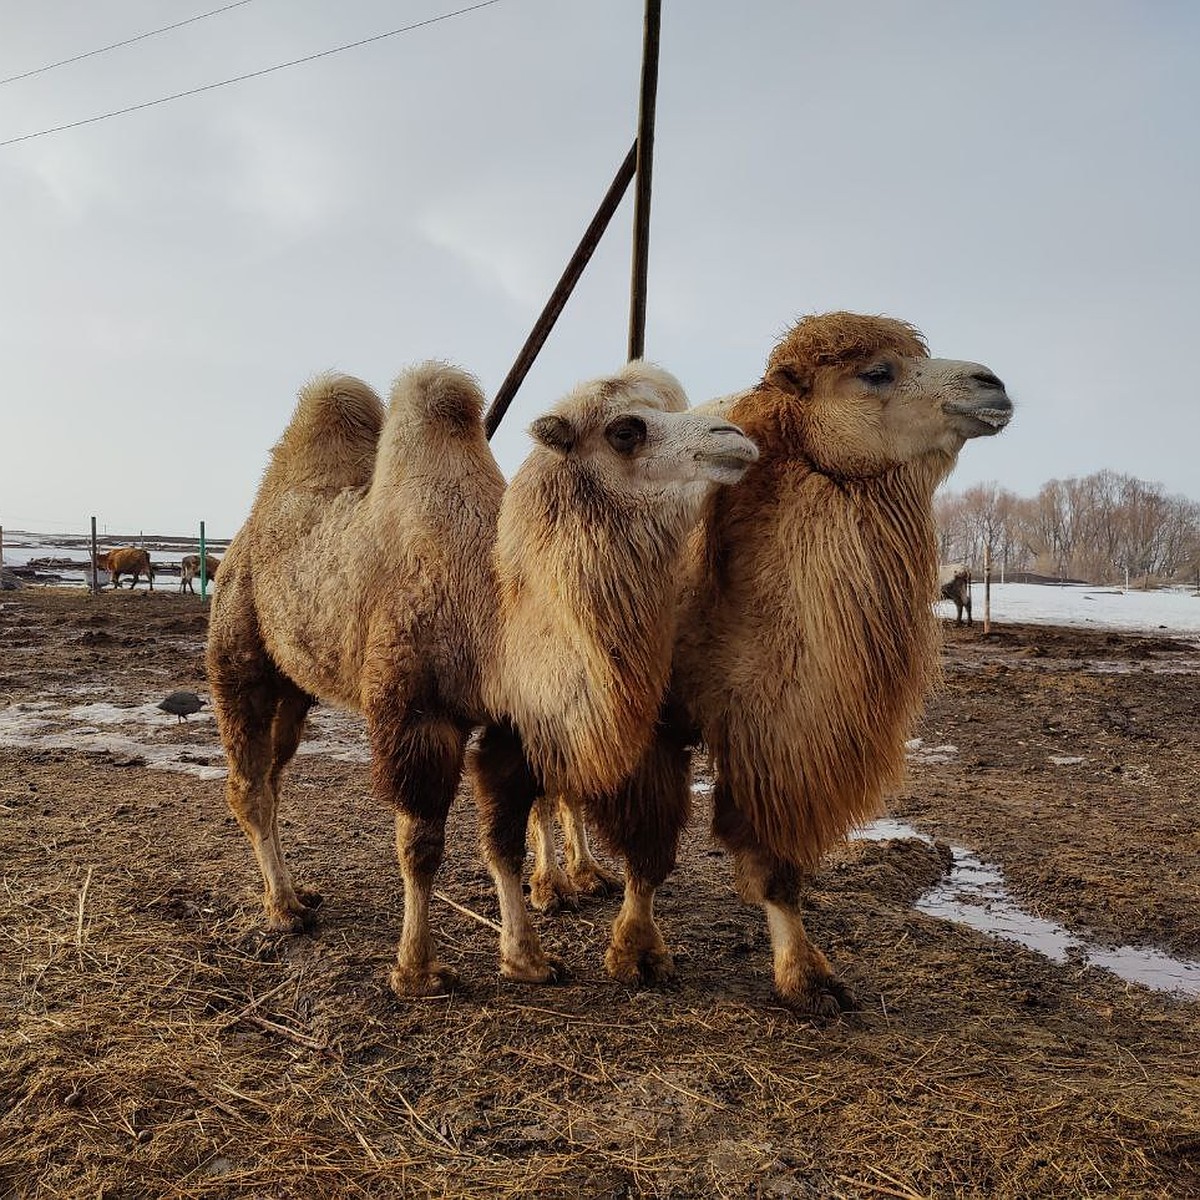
(126,560)
(189,568)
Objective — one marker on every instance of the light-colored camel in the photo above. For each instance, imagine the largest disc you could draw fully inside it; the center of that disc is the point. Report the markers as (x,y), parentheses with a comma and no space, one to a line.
(437,601)
(807,638)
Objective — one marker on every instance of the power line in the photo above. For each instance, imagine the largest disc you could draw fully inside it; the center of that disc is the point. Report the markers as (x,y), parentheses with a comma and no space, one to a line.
(141,37)
(295,62)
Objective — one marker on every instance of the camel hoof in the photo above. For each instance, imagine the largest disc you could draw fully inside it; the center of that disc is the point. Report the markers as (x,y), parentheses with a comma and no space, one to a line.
(309,898)
(293,919)
(639,968)
(432,980)
(544,969)
(552,891)
(824,996)
(596,881)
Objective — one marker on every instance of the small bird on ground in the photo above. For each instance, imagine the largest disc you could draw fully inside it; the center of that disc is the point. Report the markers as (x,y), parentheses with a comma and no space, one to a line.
(182,704)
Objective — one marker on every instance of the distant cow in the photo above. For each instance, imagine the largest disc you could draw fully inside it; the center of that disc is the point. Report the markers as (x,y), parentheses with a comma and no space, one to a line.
(189,568)
(126,560)
(956,586)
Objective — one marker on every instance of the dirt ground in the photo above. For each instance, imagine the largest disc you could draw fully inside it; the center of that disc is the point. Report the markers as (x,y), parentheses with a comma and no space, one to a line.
(156,1043)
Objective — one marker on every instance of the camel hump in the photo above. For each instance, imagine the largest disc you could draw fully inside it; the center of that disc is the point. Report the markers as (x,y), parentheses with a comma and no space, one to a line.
(332,436)
(439,394)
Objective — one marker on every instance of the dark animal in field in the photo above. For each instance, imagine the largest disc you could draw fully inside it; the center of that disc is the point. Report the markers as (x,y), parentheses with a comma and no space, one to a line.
(182,704)
(956,586)
(126,560)
(439,601)
(807,636)
(189,569)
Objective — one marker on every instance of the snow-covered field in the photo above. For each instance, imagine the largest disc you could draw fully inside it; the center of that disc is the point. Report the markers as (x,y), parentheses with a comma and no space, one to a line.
(1175,611)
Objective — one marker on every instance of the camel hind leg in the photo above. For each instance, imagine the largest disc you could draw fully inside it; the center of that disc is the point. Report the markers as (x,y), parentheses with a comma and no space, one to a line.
(586,875)
(416,765)
(549,888)
(804,979)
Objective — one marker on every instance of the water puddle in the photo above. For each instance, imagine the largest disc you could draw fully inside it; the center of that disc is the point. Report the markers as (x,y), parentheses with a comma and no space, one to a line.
(973,894)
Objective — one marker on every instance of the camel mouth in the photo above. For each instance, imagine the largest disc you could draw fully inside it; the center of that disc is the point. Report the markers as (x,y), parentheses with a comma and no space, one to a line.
(981,421)
(727,466)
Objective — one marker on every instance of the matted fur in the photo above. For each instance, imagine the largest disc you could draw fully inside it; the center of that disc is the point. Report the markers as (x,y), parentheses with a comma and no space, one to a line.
(806,681)
(383,568)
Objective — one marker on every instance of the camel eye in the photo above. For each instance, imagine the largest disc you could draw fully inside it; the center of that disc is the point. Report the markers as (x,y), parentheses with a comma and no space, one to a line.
(626,434)
(878,375)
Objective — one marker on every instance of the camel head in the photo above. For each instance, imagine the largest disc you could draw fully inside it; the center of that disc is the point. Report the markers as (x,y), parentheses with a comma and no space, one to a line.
(632,433)
(868,397)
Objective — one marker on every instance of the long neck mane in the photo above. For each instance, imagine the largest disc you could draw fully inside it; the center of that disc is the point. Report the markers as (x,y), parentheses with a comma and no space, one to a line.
(588,606)
(845,641)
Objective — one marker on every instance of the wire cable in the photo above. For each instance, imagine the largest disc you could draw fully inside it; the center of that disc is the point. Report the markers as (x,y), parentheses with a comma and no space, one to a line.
(141,37)
(295,62)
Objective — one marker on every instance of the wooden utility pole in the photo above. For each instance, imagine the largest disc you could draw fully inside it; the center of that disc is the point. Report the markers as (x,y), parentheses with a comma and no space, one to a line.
(645,170)
(562,291)
(203,565)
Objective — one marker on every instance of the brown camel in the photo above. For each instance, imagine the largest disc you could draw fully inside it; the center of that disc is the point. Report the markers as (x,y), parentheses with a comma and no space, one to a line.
(807,638)
(437,602)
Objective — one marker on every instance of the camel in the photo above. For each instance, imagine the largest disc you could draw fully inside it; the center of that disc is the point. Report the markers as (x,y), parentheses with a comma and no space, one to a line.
(807,638)
(440,601)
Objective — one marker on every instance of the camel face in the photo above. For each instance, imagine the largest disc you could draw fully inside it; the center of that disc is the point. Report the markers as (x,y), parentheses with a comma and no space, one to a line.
(885,409)
(640,442)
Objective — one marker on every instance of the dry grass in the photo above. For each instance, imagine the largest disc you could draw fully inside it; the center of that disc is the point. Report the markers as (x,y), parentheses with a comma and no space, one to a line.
(156,1044)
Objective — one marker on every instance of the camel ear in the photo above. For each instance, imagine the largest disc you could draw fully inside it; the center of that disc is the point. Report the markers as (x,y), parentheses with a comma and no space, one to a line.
(787,378)
(555,432)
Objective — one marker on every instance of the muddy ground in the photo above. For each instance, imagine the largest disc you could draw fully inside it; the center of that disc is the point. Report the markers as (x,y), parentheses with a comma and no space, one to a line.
(155,1043)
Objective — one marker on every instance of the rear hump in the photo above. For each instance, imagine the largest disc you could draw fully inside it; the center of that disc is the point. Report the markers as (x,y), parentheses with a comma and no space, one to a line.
(332,437)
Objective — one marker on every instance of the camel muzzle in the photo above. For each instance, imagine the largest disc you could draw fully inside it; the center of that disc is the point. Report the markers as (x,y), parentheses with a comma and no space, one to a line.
(986,415)
(727,454)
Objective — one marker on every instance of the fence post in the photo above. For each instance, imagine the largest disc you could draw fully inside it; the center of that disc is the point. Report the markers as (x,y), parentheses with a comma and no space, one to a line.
(95,584)
(203,566)
(987,589)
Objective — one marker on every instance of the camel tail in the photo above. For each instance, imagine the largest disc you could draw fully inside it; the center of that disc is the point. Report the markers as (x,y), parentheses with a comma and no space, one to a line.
(333,434)
(439,395)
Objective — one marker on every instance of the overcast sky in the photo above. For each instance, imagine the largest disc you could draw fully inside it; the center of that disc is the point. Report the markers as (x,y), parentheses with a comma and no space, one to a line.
(1019,179)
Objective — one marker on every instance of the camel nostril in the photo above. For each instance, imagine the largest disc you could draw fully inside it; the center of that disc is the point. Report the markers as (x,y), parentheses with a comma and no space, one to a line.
(987,380)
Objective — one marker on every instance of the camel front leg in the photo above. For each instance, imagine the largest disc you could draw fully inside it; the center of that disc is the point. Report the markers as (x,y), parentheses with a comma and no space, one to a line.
(643,821)
(804,979)
(637,953)
(505,789)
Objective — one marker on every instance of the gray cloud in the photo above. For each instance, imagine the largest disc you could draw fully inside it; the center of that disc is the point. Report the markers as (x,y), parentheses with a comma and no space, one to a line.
(1019,180)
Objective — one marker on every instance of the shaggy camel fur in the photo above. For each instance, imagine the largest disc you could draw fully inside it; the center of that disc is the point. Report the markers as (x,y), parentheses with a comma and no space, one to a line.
(807,638)
(438,602)
(126,560)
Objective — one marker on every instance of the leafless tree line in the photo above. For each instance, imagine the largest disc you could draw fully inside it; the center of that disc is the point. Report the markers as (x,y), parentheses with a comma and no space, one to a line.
(1103,528)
